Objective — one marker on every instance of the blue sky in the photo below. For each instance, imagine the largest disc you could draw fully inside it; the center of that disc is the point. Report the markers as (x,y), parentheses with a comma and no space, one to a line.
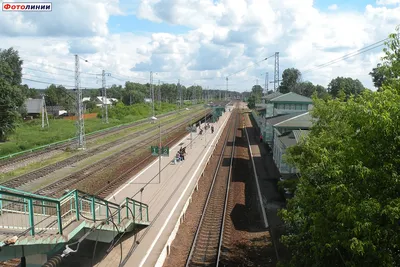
(353,5)
(131,23)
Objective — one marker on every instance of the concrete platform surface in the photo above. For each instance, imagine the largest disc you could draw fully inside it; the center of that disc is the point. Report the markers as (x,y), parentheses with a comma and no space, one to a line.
(166,198)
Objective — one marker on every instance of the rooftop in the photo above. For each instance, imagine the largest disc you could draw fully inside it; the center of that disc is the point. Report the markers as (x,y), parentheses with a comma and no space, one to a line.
(291,97)
(300,121)
(292,138)
(34,105)
(271,96)
(283,117)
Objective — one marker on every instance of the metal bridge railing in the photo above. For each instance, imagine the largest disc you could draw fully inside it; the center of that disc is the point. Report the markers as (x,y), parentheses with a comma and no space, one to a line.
(23,212)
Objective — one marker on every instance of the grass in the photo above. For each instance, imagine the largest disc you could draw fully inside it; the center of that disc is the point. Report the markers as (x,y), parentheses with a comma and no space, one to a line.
(112,137)
(29,134)
(4,177)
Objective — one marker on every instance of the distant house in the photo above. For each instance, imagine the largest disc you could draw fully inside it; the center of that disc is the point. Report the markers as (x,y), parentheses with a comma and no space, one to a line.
(107,101)
(99,100)
(34,106)
(56,110)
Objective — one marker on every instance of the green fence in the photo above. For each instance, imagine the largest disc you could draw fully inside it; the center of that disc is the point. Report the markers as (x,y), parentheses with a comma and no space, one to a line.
(30,213)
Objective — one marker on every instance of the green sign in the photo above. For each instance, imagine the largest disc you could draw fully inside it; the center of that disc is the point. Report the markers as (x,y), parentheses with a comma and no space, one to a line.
(165,151)
(154,150)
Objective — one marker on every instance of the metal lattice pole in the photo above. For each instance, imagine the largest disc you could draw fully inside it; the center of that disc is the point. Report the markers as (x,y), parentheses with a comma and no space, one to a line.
(226,93)
(80,123)
(152,91)
(105,100)
(276,78)
(180,93)
(159,94)
(266,83)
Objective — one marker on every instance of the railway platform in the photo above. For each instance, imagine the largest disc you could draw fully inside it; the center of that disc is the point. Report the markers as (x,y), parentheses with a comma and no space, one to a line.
(34,226)
(168,196)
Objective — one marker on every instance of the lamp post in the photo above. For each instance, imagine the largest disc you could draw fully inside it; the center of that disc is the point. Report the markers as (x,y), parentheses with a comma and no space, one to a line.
(205,128)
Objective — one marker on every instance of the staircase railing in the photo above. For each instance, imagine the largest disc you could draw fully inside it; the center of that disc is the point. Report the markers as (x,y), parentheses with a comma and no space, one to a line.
(39,214)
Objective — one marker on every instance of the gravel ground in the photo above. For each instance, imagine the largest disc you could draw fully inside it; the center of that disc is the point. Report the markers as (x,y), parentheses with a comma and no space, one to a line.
(181,245)
(245,243)
(45,156)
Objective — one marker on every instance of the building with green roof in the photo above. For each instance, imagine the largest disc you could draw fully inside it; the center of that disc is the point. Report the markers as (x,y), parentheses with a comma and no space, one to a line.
(283,142)
(290,102)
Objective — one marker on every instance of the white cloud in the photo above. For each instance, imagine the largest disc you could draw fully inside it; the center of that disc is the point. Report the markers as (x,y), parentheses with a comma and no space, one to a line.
(225,37)
(387,2)
(333,7)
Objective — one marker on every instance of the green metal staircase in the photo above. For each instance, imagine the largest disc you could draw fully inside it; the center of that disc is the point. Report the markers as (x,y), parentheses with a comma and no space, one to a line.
(31,224)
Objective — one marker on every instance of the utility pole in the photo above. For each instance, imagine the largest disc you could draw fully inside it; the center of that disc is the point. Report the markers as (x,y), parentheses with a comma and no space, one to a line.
(159,156)
(205,129)
(276,74)
(80,123)
(105,100)
(152,90)
(180,93)
(226,94)
(159,94)
(266,83)
(44,112)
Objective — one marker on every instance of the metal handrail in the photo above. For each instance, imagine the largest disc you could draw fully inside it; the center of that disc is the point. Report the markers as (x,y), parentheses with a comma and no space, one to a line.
(76,195)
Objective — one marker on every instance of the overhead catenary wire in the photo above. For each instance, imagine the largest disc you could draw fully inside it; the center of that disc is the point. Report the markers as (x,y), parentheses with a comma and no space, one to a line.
(347,56)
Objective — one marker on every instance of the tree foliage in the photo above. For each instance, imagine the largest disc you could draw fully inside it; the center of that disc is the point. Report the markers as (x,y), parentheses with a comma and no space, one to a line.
(349,86)
(378,76)
(388,72)
(346,208)
(59,96)
(11,94)
(290,78)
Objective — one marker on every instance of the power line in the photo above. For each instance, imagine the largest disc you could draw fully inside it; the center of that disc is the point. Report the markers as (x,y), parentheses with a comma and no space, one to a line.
(349,55)
(58,68)
(53,83)
(36,81)
(47,78)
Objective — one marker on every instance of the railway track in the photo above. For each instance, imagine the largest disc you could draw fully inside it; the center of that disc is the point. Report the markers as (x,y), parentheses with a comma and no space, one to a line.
(89,171)
(11,161)
(207,242)
(34,175)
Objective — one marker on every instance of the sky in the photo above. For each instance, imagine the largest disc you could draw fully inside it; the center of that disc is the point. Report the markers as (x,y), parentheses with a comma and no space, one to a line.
(198,42)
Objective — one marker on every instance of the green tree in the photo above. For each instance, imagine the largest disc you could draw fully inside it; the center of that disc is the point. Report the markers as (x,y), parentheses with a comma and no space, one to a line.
(305,88)
(378,76)
(346,208)
(388,72)
(290,78)
(11,94)
(251,101)
(257,90)
(59,96)
(13,61)
(348,85)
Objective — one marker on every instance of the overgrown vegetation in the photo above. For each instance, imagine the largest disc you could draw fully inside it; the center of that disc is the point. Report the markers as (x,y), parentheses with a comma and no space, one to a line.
(30,134)
(346,209)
